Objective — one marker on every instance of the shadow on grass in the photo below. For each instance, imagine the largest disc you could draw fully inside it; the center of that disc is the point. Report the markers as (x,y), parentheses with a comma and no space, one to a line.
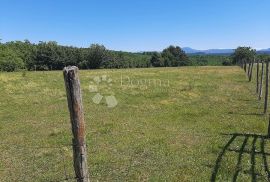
(252,152)
(242,81)
(246,100)
(247,114)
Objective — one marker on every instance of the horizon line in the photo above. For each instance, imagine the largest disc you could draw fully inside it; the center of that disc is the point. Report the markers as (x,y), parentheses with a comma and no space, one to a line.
(137,51)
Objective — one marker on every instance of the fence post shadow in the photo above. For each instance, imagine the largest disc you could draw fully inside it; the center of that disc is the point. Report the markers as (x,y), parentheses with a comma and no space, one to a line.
(243,150)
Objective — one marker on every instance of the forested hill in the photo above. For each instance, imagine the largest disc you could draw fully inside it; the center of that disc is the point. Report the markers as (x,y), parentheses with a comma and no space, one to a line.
(18,55)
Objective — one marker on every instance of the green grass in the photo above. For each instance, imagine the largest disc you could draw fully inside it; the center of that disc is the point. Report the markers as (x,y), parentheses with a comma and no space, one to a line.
(172,132)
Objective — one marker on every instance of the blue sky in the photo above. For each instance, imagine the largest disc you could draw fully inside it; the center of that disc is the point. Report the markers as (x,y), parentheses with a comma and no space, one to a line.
(138,25)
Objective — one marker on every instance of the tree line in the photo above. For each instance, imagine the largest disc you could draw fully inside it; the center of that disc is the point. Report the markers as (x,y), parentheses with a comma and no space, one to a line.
(17,55)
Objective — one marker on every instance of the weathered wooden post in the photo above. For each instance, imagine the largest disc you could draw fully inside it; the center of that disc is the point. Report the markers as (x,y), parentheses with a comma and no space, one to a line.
(250,72)
(266,88)
(261,83)
(257,77)
(249,66)
(245,65)
(268,127)
(75,106)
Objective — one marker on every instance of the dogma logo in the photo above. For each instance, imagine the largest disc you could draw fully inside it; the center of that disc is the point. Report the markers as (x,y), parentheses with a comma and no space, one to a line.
(102,86)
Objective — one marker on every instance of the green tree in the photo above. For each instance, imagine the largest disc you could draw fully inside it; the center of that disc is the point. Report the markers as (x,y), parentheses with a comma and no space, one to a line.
(171,56)
(95,55)
(48,56)
(243,54)
(157,60)
(175,56)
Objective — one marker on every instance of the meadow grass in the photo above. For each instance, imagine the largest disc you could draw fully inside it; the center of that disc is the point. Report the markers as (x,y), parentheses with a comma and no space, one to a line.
(170,124)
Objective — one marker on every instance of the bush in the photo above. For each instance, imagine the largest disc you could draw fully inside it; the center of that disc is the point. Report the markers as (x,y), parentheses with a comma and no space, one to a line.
(227,62)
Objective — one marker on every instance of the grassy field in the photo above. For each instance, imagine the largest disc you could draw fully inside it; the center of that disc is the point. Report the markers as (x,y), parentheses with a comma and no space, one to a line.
(170,124)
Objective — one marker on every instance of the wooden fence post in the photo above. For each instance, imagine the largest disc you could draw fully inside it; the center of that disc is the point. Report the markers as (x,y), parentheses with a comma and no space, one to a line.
(245,65)
(250,72)
(240,64)
(268,134)
(261,83)
(257,77)
(266,88)
(75,106)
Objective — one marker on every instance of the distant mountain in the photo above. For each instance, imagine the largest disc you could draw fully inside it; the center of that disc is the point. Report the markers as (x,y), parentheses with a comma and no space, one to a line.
(264,51)
(219,51)
(189,50)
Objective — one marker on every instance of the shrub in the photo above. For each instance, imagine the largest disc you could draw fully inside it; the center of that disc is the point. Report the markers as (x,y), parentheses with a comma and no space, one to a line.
(227,62)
